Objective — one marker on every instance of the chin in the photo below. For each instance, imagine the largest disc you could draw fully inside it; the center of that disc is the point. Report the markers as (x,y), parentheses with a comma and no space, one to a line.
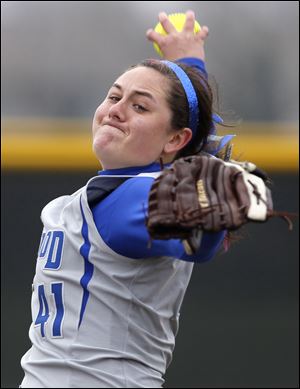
(105,151)
(103,140)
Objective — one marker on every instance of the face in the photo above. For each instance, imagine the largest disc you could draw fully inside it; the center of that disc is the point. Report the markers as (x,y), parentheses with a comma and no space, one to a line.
(132,125)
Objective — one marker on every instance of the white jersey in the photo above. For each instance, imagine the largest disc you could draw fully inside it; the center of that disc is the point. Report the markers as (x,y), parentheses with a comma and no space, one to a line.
(100,319)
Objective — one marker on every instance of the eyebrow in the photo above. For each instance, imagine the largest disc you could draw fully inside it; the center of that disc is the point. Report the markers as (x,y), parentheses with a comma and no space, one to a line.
(137,92)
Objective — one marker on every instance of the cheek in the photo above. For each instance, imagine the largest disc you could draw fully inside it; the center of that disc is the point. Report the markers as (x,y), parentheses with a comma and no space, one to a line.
(155,131)
(99,115)
(148,141)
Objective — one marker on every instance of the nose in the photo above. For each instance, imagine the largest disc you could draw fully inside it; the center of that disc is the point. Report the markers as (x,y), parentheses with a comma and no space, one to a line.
(117,111)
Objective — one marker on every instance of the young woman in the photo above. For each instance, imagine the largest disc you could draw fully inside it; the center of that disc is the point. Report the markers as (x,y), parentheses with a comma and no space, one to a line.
(106,301)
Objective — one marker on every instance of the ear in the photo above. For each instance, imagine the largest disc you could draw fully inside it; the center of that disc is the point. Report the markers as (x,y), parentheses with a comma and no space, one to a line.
(178,140)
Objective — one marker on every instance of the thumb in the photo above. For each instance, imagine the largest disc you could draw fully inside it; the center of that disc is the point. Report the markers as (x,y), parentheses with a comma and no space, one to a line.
(203,33)
(153,36)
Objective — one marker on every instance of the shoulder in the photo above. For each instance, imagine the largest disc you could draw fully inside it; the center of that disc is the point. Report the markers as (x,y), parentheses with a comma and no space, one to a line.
(120,217)
(136,188)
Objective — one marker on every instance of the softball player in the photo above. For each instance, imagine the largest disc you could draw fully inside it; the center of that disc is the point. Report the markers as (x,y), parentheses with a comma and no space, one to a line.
(106,300)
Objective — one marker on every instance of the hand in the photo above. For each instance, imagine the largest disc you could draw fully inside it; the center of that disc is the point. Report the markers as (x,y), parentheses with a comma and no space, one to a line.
(179,44)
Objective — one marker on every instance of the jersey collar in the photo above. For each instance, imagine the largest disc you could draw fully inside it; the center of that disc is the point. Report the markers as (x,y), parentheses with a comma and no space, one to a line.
(132,170)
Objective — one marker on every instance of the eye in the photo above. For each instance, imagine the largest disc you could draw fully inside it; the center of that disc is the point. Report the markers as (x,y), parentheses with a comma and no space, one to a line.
(140,108)
(114,98)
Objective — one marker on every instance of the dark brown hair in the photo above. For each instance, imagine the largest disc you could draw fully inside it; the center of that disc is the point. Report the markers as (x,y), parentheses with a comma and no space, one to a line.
(178,103)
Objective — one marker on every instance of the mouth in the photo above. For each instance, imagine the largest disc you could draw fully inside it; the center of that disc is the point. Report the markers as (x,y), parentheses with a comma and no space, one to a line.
(115,126)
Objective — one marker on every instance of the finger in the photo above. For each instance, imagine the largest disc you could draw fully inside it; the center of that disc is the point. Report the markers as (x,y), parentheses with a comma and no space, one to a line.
(165,22)
(154,36)
(189,21)
(203,33)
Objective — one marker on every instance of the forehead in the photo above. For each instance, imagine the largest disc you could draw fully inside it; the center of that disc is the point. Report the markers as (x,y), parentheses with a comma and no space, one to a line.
(146,79)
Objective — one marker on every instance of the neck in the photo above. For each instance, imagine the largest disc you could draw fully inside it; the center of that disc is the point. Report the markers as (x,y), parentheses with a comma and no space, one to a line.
(133,170)
(162,160)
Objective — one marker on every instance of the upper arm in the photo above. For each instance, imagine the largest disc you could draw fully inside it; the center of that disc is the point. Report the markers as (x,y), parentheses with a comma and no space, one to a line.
(121,221)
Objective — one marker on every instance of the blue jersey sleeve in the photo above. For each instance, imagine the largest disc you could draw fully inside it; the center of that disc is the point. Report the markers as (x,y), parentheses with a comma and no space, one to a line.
(121,222)
(195,63)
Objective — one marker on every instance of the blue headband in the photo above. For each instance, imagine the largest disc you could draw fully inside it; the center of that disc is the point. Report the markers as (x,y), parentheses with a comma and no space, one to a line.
(190,94)
(192,98)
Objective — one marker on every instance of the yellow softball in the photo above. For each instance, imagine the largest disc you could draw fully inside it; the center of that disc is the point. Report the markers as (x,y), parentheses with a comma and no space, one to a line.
(178,20)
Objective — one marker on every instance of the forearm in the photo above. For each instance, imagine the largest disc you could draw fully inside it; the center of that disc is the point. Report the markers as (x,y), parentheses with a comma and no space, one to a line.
(210,244)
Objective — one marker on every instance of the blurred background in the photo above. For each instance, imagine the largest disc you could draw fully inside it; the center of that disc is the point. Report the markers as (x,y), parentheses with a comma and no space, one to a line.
(239,321)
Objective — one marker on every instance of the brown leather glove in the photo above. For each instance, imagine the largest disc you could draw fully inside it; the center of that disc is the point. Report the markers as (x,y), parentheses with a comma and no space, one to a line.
(204,193)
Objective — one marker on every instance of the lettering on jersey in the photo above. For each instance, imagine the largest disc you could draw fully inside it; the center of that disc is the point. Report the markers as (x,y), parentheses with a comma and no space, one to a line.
(44,311)
(43,314)
(51,247)
(44,244)
(57,291)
